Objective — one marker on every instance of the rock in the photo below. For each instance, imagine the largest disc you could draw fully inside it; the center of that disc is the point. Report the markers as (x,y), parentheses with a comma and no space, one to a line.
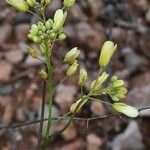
(139,98)
(30,61)
(144,45)
(132,60)
(119,36)
(97,108)
(14,56)
(76,14)
(95,8)
(89,37)
(8,110)
(65,96)
(5,31)
(21,32)
(148,15)
(93,142)
(69,134)
(55,113)
(5,70)
(137,80)
(76,145)
(129,139)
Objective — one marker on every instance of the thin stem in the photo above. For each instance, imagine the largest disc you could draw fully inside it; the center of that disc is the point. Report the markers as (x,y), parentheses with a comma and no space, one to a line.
(50,91)
(95,99)
(35,15)
(60,83)
(42,113)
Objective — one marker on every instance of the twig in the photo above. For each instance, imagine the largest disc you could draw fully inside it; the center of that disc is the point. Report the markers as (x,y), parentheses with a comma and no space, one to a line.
(24,124)
(56,119)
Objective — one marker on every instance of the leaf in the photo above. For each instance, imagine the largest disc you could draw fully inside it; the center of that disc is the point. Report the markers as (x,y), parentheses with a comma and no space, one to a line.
(126,109)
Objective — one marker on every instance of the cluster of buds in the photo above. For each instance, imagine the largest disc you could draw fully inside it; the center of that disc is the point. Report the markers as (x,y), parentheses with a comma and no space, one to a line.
(22,5)
(116,89)
(51,30)
(47,31)
(70,58)
(97,84)
(32,52)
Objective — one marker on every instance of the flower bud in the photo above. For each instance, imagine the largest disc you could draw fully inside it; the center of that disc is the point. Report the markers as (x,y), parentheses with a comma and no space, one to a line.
(46,2)
(62,37)
(43,74)
(48,24)
(41,26)
(31,2)
(59,19)
(68,3)
(96,84)
(118,83)
(71,55)
(79,103)
(107,52)
(21,5)
(37,39)
(126,109)
(82,77)
(34,29)
(72,69)
(32,52)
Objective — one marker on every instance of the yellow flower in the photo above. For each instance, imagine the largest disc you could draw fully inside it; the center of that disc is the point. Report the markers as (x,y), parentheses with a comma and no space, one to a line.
(19,4)
(59,19)
(82,77)
(126,109)
(71,55)
(107,52)
(72,69)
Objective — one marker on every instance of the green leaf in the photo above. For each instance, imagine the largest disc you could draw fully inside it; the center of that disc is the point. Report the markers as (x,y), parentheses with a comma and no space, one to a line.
(126,109)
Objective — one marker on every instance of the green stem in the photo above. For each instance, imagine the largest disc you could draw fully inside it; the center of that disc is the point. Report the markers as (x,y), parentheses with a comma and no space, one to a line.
(50,93)
(95,99)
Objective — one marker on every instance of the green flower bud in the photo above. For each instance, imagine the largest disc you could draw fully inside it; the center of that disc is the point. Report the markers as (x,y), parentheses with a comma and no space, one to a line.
(96,84)
(82,77)
(118,83)
(71,55)
(114,98)
(43,74)
(48,24)
(37,39)
(114,78)
(30,36)
(31,3)
(107,52)
(52,36)
(32,52)
(79,103)
(41,26)
(126,109)
(59,19)
(68,3)
(21,5)
(72,69)
(34,29)
(62,37)
(46,2)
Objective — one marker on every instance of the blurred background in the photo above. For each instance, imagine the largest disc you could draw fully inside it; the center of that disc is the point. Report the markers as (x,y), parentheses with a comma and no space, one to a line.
(89,24)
